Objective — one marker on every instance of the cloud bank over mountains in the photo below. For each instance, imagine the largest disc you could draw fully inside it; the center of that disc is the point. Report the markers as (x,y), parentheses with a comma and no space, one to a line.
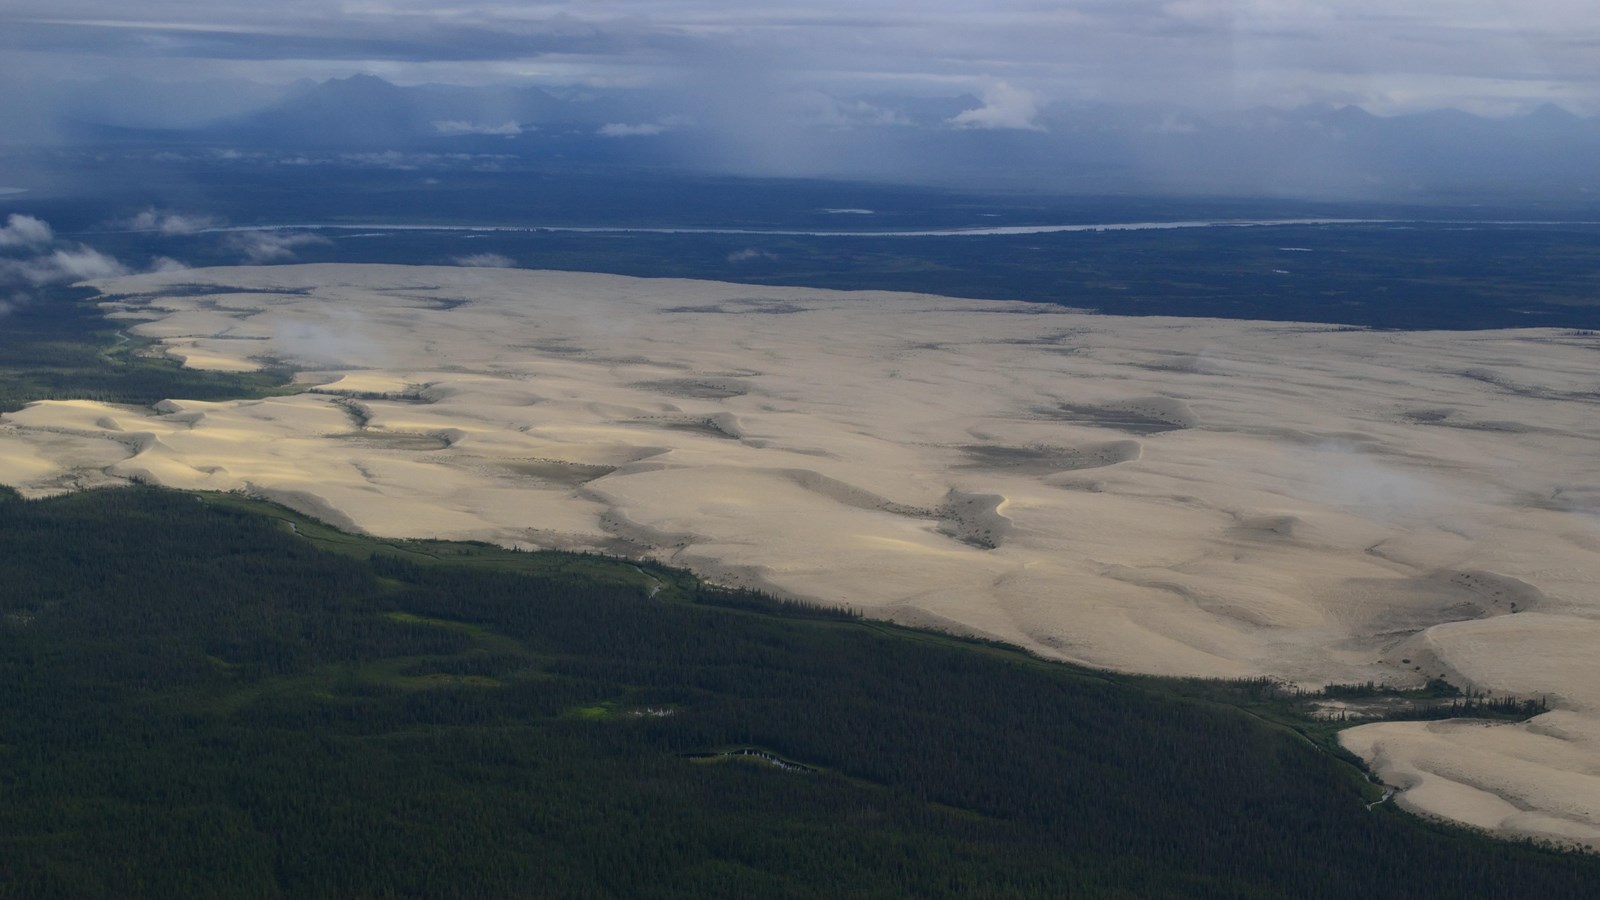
(1483,56)
(1004,136)
(1277,97)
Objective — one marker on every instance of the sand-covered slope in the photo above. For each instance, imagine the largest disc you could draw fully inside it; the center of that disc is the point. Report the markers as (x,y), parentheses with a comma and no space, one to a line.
(1164,495)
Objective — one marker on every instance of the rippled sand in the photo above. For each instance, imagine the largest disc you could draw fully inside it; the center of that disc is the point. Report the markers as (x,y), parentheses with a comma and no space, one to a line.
(1165,495)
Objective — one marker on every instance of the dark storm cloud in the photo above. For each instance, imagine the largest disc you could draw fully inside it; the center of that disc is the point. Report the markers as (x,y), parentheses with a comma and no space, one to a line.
(409,42)
(1479,54)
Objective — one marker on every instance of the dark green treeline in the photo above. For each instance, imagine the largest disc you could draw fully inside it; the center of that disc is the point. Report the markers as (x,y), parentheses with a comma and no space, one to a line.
(196,702)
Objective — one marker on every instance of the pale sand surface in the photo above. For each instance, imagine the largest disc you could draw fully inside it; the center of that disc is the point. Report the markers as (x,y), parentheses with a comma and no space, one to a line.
(1174,496)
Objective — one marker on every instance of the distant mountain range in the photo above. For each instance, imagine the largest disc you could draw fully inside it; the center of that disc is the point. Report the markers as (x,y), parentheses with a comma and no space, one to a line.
(1314,151)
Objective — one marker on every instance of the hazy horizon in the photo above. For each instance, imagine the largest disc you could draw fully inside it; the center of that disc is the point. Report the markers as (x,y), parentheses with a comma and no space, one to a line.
(1259,98)
(1484,56)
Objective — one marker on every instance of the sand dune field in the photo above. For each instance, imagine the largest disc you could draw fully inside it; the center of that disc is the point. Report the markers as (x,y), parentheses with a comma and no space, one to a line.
(1175,496)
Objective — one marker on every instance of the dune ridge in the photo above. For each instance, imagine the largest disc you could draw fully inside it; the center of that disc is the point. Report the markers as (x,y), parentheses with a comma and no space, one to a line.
(1174,496)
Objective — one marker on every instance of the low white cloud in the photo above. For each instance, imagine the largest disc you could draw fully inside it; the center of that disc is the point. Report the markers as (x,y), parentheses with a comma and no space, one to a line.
(340,339)
(1172,123)
(12,300)
(820,109)
(454,127)
(84,262)
(170,223)
(62,265)
(50,262)
(618,129)
(272,246)
(1004,106)
(25,231)
(485,261)
(386,159)
(644,129)
(167,264)
(1348,477)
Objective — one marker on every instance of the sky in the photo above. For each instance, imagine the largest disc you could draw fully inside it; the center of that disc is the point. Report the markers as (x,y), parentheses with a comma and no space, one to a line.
(1491,57)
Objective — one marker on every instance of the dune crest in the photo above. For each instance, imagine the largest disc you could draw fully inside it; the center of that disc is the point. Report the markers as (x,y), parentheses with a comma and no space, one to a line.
(1312,503)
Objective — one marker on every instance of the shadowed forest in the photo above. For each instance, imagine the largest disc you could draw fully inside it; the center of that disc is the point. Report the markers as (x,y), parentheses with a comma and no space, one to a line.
(203,701)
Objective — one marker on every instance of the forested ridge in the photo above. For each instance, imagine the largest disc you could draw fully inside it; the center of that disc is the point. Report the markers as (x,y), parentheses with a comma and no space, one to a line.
(201,701)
